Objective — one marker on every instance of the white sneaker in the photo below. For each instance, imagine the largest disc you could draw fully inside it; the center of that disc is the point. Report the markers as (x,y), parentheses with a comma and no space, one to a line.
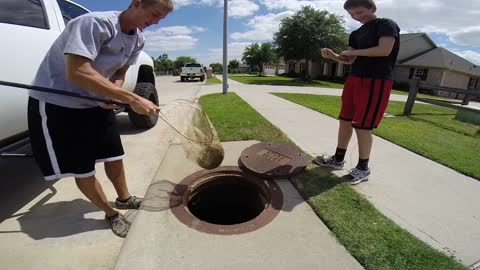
(358,176)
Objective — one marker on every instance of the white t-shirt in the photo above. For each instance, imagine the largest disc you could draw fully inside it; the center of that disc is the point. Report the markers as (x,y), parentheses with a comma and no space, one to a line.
(96,36)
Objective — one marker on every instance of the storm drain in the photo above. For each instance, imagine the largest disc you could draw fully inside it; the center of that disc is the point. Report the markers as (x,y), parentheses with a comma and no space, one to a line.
(227,201)
(232,200)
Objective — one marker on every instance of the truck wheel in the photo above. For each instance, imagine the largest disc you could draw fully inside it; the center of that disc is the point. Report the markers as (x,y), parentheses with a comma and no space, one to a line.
(148,91)
(182,79)
(202,78)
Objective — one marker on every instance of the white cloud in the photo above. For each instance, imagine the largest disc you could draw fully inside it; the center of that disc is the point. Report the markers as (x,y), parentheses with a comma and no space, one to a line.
(236,8)
(241,8)
(440,16)
(170,43)
(182,3)
(215,55)
(199,29)
(172,38)
(262,27)
(468,36)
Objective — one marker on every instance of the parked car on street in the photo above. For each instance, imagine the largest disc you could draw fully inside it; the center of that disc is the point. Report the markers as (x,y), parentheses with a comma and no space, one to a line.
(28,28)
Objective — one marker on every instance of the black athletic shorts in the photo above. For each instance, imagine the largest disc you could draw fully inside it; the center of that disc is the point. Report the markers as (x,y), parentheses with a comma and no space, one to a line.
(68,142)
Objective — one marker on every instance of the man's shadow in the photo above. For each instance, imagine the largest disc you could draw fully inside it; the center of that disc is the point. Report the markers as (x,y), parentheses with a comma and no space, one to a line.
(59,219)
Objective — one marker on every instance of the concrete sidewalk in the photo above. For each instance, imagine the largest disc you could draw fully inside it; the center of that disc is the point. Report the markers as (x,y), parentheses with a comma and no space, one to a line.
(294,239)
(436,204)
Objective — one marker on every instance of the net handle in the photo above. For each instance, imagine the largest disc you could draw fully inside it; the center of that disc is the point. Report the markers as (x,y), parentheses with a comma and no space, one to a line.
(106,101)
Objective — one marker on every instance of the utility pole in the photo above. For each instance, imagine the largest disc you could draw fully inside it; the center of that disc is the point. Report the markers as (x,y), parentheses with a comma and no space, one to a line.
(225,55)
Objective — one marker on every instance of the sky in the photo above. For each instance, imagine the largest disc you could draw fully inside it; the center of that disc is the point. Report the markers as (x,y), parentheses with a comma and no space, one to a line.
(195,27)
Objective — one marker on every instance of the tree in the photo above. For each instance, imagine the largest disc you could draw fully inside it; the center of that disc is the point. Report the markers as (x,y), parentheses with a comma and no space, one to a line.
(163,64)
(256,55)
(302,35)
(217,68)
(234,64)
(182,60)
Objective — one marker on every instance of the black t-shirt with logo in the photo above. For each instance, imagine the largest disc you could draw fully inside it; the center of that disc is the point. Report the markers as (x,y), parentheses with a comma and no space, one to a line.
(368,36)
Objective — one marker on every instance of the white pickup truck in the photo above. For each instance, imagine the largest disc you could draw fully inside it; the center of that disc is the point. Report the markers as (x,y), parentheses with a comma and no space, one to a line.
(192,71)
(28,28)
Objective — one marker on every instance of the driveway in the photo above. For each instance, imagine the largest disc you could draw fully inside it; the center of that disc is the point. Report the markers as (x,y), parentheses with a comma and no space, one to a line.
(51,225)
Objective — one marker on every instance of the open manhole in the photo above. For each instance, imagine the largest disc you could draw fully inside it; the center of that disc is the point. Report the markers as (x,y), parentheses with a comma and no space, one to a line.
(227,200)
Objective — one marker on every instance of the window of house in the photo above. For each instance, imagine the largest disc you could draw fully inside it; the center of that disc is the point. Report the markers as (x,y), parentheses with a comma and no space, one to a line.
(291,67)
(69,10)
(346,70)
(422,73)
(472,83)
(23,12)
(302,67)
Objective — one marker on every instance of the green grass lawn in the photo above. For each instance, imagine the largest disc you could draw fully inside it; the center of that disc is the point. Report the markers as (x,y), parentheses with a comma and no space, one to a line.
(278,80)
(420,95)
(430,131)
(374,240)
(214,80)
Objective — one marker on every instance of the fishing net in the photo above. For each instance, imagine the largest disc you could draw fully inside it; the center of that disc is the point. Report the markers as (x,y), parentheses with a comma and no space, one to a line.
(199,137)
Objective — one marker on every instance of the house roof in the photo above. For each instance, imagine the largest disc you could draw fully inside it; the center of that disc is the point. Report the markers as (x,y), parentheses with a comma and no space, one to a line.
(405,37)
(443,58)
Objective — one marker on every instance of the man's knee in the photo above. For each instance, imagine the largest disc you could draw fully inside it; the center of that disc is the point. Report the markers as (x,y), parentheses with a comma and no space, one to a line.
(363,133)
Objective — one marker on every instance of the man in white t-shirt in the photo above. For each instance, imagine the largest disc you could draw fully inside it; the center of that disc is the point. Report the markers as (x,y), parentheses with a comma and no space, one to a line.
(69,135)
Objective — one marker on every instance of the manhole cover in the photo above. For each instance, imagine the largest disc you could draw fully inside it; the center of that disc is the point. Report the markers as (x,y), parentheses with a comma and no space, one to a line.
(273,160)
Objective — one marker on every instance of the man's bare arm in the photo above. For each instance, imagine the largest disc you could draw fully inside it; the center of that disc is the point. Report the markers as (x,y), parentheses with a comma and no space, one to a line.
(384,48)
(81,73)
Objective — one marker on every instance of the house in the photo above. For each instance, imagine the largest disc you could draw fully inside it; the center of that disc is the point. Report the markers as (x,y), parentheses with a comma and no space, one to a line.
(243,68)
(274,69)
(419,56)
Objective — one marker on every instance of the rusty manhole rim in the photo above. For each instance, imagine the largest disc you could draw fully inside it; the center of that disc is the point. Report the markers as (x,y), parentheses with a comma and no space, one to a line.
(181,212)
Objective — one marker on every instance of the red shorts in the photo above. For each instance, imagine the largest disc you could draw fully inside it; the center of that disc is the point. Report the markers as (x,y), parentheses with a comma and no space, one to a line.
(364,101)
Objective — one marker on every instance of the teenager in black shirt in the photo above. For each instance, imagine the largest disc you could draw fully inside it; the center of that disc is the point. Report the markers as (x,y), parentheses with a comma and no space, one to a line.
(372,52)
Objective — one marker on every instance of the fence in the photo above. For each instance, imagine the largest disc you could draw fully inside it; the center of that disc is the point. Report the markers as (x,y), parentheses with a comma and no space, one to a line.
(415,84)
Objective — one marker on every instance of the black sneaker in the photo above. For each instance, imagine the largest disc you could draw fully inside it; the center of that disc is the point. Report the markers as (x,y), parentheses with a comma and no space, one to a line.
(133,202)
(329,161)
(357,176)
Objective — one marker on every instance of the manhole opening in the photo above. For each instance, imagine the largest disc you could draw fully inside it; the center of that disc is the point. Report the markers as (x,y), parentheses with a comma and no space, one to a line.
(229,200)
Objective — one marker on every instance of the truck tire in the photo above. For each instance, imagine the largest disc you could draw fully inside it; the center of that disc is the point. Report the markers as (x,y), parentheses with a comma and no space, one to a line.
(202,78)
(182,79)
(146,90)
